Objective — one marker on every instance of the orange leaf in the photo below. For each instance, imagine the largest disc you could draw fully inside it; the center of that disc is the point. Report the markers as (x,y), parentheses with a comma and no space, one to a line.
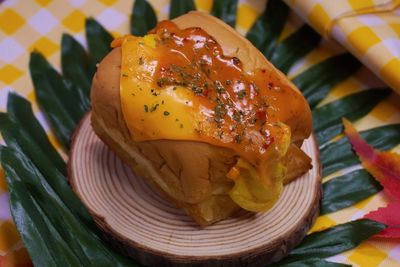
(385,167)
(389,215)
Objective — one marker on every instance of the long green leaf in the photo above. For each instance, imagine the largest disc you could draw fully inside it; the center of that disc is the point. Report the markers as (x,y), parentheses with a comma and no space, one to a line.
(34,229)
(334,240)
(338,155)
(268,26)
(179,7)
(16,137)
(295,47)
(20,110)
(310,263)
(225,10)
(347,190)
(59,99)
(143,18)
(52,215)
(318,80)
(327,120)
(75,63)
(99,40)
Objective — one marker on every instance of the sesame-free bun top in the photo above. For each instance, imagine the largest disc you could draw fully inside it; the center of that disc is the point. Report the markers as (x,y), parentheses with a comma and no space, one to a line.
(190,179)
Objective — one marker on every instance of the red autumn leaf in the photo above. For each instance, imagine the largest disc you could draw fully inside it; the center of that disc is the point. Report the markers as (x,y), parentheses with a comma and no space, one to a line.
(389,215)
(385,167)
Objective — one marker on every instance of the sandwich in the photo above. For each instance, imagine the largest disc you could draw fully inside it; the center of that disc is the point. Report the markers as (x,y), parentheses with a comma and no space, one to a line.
(198,112)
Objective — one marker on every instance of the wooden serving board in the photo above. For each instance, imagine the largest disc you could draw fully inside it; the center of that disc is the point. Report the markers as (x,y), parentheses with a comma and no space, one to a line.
(141,224)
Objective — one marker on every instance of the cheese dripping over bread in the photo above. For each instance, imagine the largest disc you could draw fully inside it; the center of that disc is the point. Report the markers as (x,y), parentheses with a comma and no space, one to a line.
(177,84)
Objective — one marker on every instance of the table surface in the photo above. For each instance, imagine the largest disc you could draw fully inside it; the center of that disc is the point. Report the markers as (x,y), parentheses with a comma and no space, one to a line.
(39,24)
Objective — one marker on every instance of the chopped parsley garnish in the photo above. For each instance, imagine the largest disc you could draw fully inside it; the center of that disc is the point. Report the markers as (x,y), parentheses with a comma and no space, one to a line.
(197,90)
(241,94)
(219,111)
(166,113)
(218,86)
(154,107)
(238,139)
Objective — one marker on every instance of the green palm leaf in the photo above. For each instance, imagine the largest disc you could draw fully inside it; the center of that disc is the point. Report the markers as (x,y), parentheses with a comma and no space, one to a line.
(311,263)
(57,229)
(20,111)
(316,82)
(294,48)
(225,10)
(338,155)
(60,100)
(28,220)
(23,133)
(334,240)
(327,120)
(59,233)
(347,190)
(75,63)
(99,40)
(143,18)
(178,7)
(265,32)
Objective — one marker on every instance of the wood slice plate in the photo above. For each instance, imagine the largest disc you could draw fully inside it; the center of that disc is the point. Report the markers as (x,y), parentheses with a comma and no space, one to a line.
(141,224)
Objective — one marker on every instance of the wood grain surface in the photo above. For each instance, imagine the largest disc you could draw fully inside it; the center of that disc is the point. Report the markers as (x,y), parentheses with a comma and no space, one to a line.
(141,224)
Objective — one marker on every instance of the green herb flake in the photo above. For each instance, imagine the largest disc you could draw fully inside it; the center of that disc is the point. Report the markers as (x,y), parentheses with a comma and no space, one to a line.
(241,94)
(124,75)
(166,113)
(236,117)
(255,87)
(197,90)
(141,62)
(146,108)
(154,107)
(219,111)
(238,139)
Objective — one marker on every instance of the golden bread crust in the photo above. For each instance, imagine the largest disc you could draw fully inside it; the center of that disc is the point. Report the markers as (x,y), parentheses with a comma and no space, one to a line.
(191,174)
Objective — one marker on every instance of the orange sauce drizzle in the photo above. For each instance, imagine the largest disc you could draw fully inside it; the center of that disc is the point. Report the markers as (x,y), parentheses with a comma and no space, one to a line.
(243,110)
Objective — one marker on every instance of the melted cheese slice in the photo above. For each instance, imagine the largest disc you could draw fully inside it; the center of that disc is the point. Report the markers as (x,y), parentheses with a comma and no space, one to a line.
(151,113)
(175,113)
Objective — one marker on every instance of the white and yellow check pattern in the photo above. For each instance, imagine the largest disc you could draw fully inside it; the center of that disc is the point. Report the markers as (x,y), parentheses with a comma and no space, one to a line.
(370,29)
(38,24)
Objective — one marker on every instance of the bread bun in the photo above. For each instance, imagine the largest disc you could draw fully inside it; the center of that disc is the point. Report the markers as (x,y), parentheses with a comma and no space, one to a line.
(196,182)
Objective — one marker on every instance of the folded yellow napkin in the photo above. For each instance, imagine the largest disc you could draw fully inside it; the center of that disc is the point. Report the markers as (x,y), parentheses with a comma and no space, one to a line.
(370,29)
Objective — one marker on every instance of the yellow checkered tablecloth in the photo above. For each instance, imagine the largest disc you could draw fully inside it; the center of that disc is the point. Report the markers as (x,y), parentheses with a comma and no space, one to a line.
(38,24)
(370,29)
